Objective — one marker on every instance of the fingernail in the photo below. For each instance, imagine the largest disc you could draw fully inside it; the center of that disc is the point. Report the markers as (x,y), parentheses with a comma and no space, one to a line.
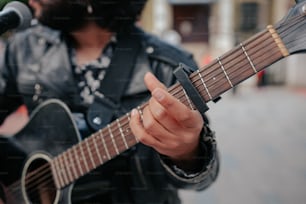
(134,112)
(158,94)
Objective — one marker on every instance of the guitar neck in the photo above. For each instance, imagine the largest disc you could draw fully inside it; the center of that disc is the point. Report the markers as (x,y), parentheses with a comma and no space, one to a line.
(211,81)
(237,65)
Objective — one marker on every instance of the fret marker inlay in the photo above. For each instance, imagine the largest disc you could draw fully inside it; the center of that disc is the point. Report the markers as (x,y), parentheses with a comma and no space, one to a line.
(222,67)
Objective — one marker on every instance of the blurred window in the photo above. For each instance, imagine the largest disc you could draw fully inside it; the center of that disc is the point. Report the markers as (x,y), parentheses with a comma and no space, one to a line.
(191,22)
(249,16)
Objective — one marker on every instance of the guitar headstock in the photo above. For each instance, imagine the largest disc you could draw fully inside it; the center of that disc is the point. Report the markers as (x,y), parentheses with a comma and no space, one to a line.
(292,28)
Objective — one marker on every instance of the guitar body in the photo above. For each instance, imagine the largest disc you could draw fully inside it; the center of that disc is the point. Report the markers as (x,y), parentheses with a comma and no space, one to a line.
(50,131)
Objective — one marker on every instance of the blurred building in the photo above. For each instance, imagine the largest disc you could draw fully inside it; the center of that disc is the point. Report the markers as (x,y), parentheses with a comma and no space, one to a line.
(209,28)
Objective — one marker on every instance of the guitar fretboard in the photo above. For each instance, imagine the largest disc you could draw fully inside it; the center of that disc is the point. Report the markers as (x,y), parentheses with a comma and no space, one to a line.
(244,61)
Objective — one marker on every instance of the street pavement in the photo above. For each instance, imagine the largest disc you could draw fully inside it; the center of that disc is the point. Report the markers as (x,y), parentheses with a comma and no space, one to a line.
(261,134)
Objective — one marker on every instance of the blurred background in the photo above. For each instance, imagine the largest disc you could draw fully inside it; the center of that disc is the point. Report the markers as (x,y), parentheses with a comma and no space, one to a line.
(260,125)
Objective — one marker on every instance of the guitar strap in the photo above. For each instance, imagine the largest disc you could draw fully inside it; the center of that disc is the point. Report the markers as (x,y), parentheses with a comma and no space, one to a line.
(106,105)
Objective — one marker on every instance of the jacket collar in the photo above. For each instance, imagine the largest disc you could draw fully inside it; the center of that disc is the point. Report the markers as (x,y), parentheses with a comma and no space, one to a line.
(48,34)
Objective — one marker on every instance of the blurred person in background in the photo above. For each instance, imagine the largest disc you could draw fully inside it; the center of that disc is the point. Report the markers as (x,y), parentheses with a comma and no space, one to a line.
(67,55)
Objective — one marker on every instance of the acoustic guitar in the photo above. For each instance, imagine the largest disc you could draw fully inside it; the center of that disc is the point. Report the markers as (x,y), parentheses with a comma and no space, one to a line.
(53,156)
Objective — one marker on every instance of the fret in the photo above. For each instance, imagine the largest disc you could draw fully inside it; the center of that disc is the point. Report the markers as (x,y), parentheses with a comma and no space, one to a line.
(84,159)
(122,135)
(89,151)
(67,165)
(127,130)
(141,115)
(112,138)
(55,174)
(77,159)
(248,57)
(140,112)
(204,84)
(128,116)
(222,67)
(104,144)
(70,156)
(58,170)
(63,170)
(188,100)
(97,149)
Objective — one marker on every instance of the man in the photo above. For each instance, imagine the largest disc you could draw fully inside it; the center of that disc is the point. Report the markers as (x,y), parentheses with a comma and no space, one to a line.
(68,55)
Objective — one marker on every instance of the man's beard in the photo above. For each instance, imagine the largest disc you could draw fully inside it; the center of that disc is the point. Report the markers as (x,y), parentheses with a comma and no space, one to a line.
(64,15)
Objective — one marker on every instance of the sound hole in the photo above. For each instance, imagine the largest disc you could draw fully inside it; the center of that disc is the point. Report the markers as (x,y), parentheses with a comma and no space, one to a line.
(39,184)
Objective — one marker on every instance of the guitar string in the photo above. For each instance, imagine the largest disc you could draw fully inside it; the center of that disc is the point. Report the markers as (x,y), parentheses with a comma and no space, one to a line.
(282,28)
(301,36)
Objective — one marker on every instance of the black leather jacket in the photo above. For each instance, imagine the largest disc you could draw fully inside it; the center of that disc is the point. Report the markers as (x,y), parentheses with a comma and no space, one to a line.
(35,66)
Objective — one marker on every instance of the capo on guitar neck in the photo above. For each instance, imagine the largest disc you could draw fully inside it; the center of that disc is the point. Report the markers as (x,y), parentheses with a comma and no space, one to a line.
(182,73)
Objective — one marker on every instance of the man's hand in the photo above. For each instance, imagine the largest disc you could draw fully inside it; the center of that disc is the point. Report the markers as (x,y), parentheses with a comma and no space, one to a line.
(167,125)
